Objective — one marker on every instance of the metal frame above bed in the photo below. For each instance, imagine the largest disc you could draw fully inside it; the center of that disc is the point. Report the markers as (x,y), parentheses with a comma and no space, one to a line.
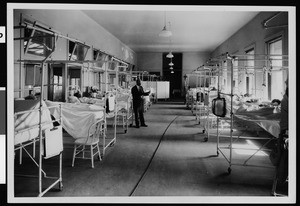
(217,66)
(27,22)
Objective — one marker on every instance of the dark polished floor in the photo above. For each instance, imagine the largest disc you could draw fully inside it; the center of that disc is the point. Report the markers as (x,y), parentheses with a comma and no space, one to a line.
(168,161)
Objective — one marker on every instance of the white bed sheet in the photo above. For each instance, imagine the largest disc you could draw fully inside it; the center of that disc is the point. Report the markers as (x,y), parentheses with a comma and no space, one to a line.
(28,120)
(76,118)
(264,118)
(252,113)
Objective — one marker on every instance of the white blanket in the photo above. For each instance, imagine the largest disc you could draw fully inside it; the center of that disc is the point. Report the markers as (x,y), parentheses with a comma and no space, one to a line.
(77,118)
(29,120)
(270,125)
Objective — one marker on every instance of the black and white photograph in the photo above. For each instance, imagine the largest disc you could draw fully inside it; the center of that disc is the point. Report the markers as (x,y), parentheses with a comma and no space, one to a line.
(116,103)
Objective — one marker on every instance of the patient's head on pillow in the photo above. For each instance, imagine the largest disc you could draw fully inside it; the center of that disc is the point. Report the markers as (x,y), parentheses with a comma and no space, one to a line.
(275,102)
(77,94)
(30,97)
(73,99)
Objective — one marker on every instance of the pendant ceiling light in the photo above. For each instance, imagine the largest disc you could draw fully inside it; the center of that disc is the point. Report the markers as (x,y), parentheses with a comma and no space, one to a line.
(171,63)
(172,72)
(165,32)
(171,68)
(170,55)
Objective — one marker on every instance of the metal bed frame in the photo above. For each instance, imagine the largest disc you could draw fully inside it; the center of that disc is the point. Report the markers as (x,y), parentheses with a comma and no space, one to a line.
(42,139)
(230,120)
(37,26)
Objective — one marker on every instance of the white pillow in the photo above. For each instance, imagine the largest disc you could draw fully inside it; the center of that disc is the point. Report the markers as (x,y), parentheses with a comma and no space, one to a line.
(73,99)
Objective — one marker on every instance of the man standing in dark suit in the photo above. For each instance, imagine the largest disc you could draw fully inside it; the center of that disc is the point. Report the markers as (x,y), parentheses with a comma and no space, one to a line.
(137,98)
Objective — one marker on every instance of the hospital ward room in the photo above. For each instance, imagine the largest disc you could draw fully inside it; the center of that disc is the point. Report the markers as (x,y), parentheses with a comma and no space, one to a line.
(158,104)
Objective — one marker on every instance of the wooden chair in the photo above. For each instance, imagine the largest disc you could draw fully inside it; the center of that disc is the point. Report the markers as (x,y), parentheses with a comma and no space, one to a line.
(90,141)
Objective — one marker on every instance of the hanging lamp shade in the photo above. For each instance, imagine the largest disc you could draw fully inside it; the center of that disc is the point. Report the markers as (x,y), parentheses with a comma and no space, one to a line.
(171,68)
(170,55)
(171,64)
(172,72)
(165,32)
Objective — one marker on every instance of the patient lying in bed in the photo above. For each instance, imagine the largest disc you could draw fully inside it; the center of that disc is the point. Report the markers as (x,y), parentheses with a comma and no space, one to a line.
(76,118)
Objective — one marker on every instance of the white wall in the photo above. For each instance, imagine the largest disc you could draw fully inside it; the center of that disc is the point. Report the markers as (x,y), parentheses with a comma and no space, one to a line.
(254,35)
(152,62)
(78,25)
(149,61)
(190,62)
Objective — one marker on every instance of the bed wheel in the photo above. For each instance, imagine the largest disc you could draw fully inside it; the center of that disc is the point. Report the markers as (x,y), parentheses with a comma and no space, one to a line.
(229,170)
(203,131)
(125,131)
(205,139)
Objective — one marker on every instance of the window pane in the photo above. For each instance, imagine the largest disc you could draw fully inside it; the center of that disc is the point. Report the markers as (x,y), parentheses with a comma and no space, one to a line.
(29,78)
(55,79)
(40,45)
(112,65)
(38,77)
(71,48)
(101,57)
(79,52)
(276,49)
(250,84)
(95,53)
(74,75)
(276,80)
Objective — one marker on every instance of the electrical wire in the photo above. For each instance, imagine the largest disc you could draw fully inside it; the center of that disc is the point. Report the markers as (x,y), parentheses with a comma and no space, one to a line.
(151,159)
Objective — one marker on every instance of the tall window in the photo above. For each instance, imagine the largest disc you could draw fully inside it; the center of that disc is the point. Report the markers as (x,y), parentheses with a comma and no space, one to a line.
(56,92)
(74,76)
(33,75)
(249,70)
(275,81)
(235,76)
(224,77)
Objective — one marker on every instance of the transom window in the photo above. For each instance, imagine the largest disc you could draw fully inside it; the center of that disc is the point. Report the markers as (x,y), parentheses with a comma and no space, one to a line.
(37,42)
(77,51)
(99,56)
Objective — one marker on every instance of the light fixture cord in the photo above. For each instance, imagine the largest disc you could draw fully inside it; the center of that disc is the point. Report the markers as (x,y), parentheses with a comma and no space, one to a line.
(165,20)
(170,44)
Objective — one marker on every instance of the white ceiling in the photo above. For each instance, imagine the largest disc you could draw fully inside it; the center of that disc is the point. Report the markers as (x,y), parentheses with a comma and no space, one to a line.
(193,30)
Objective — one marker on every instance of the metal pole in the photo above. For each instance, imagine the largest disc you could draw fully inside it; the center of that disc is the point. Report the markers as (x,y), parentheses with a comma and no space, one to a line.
(218,137)
(231,116)
(40,119)
(115,119)
(40,131)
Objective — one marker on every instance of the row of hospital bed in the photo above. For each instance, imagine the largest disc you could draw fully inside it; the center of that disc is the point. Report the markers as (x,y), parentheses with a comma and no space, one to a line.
(40,124)
(86,121)
(230,117)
